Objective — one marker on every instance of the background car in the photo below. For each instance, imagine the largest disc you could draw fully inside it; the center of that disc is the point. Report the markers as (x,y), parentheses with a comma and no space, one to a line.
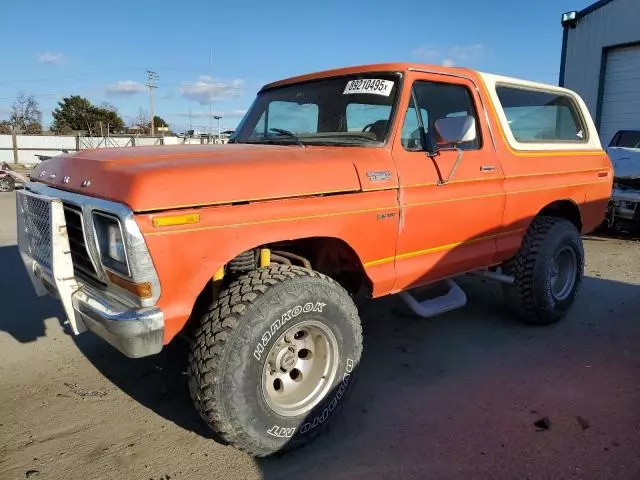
(624,152)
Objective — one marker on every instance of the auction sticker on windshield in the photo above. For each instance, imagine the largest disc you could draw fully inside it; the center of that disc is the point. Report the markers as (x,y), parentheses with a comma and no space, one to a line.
(369,85)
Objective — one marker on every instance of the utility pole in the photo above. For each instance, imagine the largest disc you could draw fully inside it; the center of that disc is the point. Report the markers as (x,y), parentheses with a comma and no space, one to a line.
(211,77)
(151,83)
(218,117)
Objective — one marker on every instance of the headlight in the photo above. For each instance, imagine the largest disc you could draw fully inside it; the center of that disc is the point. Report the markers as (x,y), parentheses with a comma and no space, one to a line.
(110,243)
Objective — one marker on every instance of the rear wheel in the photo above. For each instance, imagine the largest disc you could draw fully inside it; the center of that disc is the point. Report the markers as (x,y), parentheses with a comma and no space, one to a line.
(273,359)
(547,271)
(6,184)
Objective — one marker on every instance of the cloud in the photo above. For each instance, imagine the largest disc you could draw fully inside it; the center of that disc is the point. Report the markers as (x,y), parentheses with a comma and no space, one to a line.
(50,58)
(129,119)
(124,88)
(206,90)
(215,113)
(450,55)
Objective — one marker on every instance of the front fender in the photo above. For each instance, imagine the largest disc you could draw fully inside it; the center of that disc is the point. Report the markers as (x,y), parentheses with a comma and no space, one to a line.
(186,256)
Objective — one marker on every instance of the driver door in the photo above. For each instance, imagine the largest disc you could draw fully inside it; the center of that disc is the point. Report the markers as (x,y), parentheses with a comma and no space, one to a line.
(451,215)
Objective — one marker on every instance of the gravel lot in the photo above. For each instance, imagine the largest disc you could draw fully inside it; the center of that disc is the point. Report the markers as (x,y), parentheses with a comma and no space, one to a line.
(451,398)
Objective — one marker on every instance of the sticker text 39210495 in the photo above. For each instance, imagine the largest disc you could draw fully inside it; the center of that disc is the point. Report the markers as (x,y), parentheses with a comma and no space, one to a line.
(374,86)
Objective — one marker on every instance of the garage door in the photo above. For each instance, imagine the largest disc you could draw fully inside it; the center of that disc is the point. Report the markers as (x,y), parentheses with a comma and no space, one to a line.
(621,96)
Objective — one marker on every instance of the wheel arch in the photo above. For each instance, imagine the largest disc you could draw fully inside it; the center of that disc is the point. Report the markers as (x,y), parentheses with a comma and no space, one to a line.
(565,208)
(330,255)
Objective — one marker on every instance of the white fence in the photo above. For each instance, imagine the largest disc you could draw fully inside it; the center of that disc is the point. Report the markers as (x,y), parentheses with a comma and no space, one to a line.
(24,149)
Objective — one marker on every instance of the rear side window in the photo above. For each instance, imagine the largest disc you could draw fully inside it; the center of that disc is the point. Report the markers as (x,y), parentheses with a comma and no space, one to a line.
(536,116)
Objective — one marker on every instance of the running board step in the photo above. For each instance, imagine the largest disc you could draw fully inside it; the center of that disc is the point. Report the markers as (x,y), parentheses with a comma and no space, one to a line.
(453,299)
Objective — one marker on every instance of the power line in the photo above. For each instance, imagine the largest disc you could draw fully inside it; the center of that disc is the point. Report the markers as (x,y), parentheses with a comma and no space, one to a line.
(94,74)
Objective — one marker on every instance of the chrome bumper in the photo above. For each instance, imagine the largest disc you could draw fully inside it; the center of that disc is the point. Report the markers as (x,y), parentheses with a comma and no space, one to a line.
(136,332)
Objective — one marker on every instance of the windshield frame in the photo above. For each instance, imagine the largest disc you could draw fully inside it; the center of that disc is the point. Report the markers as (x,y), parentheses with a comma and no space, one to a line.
(282,140)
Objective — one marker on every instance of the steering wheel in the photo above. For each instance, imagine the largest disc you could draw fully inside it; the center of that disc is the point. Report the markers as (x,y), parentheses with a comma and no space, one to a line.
(368,127)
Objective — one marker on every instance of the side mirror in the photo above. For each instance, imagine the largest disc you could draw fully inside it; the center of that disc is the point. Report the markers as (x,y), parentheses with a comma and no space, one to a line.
(455,130)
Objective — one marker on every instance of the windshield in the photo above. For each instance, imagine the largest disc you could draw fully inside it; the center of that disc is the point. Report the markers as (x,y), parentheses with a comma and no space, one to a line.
(347,111)
(626,138)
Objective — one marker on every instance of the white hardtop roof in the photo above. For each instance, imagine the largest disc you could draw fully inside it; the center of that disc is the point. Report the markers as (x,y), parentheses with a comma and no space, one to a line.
(492,79)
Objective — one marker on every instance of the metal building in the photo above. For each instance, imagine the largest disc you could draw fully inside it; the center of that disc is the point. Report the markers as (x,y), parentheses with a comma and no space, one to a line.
(601,61)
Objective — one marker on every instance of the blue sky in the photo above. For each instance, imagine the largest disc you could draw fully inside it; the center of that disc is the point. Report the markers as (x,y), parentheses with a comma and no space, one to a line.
(54,49)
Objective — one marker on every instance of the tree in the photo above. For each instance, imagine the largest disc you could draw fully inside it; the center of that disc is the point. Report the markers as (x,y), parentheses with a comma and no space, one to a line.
(26,116)
(142,120)
(108,115)
(6,128)
(78,113)
(72,112)
(108,106)
(159,122)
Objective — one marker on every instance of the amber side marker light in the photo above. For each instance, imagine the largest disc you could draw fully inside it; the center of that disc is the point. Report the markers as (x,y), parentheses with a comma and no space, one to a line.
(141,290)
(219,275)
(176,220)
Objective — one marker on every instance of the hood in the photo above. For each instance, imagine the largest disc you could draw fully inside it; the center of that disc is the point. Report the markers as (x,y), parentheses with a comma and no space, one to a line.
(160,178)
(626,162)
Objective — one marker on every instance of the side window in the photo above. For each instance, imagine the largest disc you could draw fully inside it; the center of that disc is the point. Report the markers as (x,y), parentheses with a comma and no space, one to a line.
(359,115)
(295,117)
(410,132)
(438,100)
(535,116)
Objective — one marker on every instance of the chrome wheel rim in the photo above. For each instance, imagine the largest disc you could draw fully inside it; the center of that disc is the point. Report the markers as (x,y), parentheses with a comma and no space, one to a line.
(5,186)
(563,274)
(300,368)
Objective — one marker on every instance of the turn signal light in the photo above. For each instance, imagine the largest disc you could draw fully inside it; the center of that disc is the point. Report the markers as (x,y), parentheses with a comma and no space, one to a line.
(141,290)
(176,220)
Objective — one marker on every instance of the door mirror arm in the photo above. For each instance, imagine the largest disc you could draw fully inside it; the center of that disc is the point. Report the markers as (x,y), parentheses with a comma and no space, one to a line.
(430,147)
(454,168)
(426,141)
(430,150)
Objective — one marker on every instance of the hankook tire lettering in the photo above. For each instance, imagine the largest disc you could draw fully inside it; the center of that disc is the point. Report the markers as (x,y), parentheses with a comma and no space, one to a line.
(277,325)
(281,432)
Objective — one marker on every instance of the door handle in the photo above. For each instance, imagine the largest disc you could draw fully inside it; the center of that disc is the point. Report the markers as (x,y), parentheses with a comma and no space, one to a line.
(487,168)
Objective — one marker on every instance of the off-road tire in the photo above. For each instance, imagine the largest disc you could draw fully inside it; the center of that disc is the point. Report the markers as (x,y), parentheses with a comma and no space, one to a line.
(231,345)
(7,184)
(531,293)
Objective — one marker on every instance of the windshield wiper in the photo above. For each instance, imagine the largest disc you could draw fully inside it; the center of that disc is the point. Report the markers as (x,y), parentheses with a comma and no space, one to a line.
(287,133)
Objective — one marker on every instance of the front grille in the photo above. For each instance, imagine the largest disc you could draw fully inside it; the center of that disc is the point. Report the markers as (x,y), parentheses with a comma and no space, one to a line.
(37,223)
(82,264)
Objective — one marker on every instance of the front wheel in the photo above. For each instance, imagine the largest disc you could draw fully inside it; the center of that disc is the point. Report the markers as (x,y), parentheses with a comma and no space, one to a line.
(547,271)
(274,358)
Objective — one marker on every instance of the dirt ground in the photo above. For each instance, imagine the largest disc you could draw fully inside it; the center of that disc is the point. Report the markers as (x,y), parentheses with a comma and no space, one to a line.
(456,397)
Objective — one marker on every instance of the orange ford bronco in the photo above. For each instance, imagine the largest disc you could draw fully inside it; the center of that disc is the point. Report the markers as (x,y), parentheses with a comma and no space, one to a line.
(380,179)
